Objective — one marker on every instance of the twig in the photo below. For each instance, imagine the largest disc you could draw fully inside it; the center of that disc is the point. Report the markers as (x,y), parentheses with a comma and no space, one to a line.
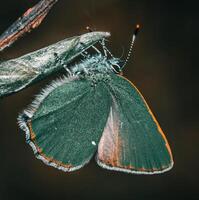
(30,20)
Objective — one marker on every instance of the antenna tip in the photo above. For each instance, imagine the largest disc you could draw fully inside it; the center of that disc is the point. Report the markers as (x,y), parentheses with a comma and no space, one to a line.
(136,29)
(138,26)
(89,29)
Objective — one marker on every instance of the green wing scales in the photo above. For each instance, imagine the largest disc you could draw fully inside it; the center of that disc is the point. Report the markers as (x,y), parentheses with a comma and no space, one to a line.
(132,140)
(71,120)
(64,126)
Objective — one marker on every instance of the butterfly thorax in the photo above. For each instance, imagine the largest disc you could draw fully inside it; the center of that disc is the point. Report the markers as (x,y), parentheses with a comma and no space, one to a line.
(97,64)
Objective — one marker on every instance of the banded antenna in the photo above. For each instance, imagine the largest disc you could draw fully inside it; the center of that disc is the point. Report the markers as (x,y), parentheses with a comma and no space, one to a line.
(132,45)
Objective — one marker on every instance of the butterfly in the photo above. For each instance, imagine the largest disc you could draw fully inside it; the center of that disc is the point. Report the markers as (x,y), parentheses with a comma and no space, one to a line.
(96,111)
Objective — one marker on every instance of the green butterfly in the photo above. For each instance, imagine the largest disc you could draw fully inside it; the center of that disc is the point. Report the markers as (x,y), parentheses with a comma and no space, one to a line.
(96,111)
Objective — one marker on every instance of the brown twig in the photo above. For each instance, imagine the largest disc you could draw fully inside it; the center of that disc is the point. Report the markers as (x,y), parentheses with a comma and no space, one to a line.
(30,20)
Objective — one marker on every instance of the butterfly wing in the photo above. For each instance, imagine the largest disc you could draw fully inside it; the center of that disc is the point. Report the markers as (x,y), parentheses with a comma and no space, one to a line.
(65,123)
(132,140)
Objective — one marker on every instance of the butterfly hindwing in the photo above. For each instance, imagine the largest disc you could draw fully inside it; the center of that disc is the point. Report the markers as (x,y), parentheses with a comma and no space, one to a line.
(132,140)
(66,125)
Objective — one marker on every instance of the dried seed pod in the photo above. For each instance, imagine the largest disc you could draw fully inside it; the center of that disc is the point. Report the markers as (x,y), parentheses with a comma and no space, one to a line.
(16,74)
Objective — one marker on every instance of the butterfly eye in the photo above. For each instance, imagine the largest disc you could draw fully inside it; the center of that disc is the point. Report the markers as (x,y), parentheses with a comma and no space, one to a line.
(117,66)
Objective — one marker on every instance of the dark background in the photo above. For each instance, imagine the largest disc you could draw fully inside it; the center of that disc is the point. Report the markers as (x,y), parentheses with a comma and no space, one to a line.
(165,69)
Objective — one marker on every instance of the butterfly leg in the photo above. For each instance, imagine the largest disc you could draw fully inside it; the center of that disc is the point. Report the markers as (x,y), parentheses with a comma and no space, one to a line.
(85,54)
(106,50)
(96,49)
(68,70)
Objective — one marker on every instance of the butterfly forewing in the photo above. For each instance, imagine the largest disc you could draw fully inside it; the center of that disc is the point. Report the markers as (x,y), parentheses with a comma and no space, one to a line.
(67,123)
(132,140)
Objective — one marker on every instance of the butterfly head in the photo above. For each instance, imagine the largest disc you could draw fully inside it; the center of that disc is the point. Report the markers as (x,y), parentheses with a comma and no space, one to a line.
(102,62)
(97,64)
(112,63)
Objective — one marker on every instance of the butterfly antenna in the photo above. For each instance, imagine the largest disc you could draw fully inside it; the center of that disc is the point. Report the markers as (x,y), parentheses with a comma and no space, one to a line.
(89,29)
(132,44)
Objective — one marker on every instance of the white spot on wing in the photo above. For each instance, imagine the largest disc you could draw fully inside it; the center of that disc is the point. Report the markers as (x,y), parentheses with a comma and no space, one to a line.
(93,143)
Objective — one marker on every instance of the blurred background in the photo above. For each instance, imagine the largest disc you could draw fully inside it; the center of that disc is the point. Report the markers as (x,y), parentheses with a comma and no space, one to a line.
(165,69)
